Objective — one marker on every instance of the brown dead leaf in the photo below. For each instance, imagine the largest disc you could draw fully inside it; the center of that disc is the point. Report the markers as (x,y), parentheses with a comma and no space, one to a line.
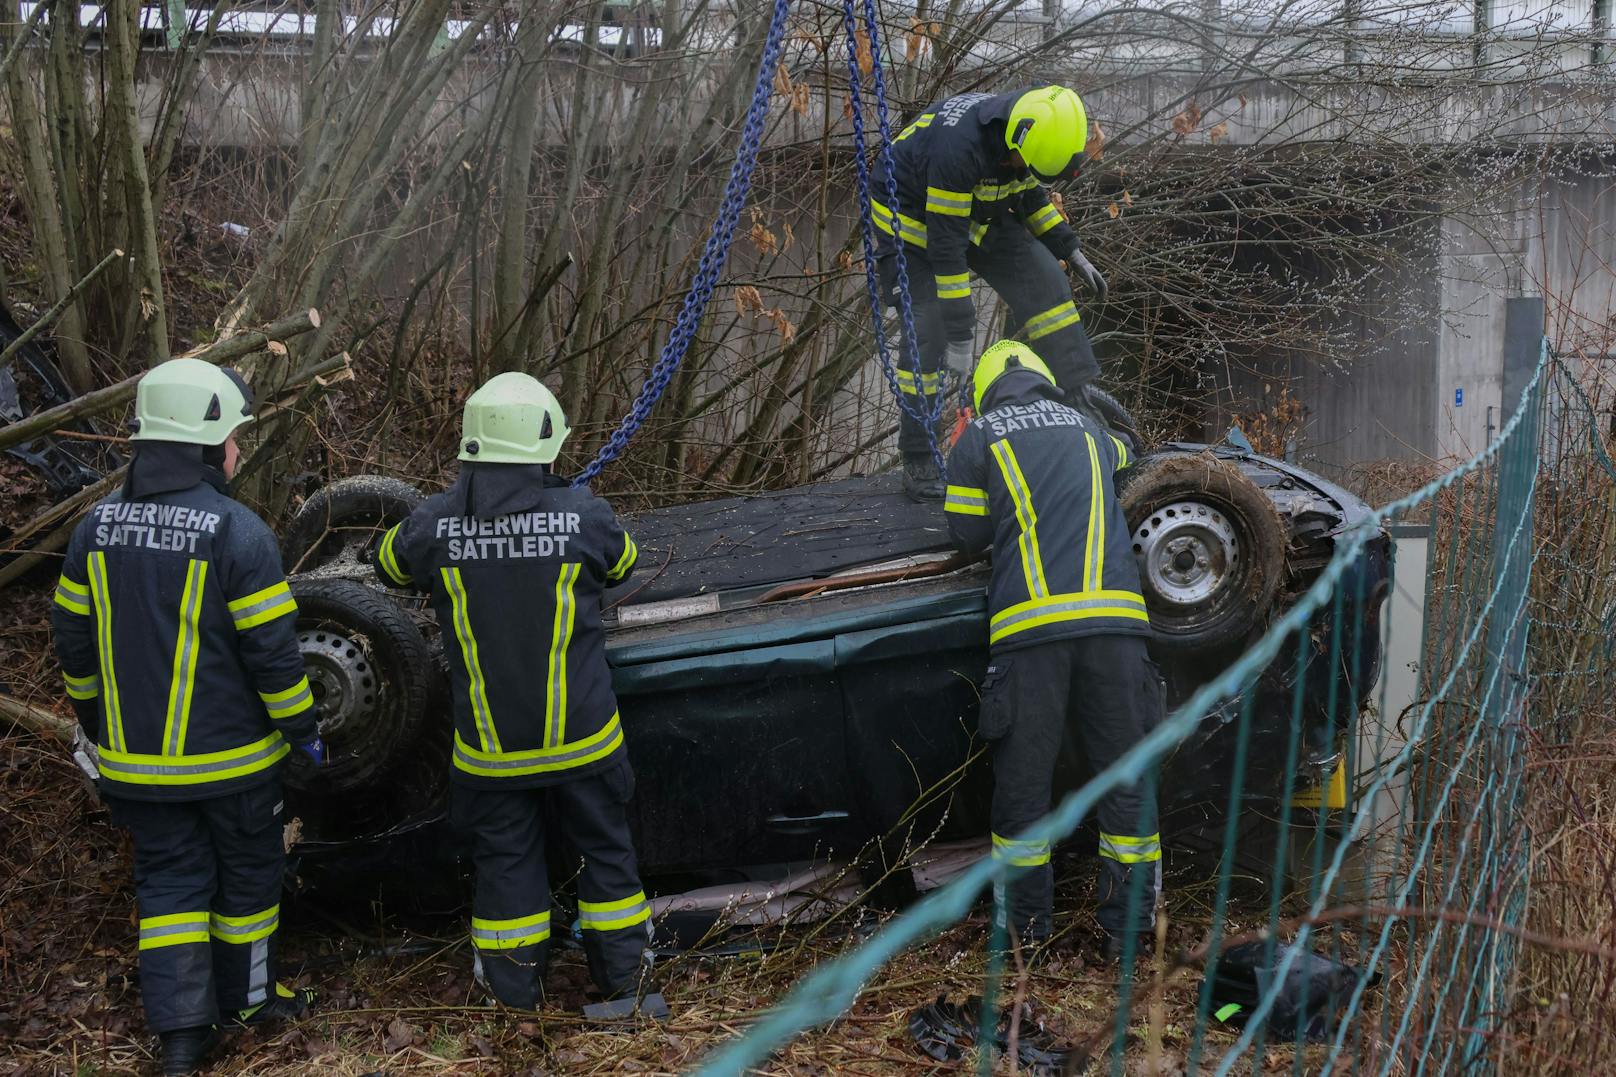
(764,240)
(782,81)
(844,261)
(1242,102)
(782,324)
(148,304)
(1058,200)
(292,833)
(1127,199)
(400,1034)
(1114,210)
(799,99)
(747,298)
(917,42)
(1217,132)
(1188,120)
(866,58)
(1094,148)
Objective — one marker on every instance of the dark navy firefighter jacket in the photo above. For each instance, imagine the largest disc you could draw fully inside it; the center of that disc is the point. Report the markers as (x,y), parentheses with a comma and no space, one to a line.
(177,637)
(1033,479)
(516,561)
(954,182)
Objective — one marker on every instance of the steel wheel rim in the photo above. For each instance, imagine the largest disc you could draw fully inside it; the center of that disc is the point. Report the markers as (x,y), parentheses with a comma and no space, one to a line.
(1188,554)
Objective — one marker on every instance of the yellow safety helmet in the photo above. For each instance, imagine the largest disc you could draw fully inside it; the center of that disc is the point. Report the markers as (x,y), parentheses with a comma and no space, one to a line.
(1000,359)
(190,401)
(1050,127)
(512,419)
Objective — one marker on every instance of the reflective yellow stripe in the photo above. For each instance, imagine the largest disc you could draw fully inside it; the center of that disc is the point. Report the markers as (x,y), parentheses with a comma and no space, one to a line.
(966,500)
(1042,221)
(1094,556)
(1021,854)
(1072,606)
(614,915)
(508,934)
(478,687)
(290,701)
(101,595)
(73,597)
(948,203)
(631,553)
(953,286)
(930,384)
(1032,564)
(920,124)
(82,687)
(138,768)
(555,700)
(173,929)
(1052,320)
(908,229)
(998,192)
(261,606)
(183,677)
(243,929)
(594,747)
(389,560)
(977,232)
(1130,850)
(1122,452)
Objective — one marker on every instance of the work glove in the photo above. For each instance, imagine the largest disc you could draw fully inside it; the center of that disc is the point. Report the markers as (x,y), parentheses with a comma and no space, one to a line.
(87,756)
(314,749)
(1083,272)
(960,356)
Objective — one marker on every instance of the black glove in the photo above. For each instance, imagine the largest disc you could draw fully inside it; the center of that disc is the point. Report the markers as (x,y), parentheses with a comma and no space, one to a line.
(1083,272)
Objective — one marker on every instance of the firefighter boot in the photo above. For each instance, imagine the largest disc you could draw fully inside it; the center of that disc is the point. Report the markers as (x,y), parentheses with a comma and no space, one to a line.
(287,1004)
(184,1049)
(920,478)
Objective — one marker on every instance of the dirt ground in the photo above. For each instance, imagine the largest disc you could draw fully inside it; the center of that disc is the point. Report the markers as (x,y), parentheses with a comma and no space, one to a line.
(398,997)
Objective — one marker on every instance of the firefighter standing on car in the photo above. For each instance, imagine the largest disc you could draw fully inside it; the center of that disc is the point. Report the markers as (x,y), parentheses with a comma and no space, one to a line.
(175,630)
(1031,478)
(970,175)
(516,561)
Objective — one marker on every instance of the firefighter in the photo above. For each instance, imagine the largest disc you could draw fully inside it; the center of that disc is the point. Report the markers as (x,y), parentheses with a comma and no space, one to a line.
(175,630)
(971,175)
(1031,478)
(516,560)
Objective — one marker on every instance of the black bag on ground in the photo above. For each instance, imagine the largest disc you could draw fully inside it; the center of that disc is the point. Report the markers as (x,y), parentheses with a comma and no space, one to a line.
(1312,994)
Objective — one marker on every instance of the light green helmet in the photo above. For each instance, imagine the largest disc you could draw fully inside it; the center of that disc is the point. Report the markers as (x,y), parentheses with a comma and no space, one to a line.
(1050,127)
(190,401)
(512,419)
(999,360)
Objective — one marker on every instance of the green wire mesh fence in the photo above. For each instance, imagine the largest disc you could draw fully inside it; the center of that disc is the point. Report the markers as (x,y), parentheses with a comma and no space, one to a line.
(1449,633)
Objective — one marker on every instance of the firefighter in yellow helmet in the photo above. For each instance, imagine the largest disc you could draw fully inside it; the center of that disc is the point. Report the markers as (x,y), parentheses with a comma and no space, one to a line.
(1031,479)
(516,560)
(972,176)
(177,636)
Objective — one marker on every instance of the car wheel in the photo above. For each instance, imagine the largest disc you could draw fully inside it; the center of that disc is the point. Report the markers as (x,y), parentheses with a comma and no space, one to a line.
(1117,417)
(343,519)
(371,672)
(1210,547)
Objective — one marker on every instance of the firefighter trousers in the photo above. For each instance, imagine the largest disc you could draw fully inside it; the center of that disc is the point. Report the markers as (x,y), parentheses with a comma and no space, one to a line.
(208,876)
(1032,284)
(1104,692)
(510,913)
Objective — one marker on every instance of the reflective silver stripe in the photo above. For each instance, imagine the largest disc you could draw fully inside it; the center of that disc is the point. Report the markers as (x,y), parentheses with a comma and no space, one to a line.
(518,762)
(534,932)
(612,921)
(288,707)
(225,930)
(258,973)
(281,598)
(1044,609)
(175,769)
(188,928)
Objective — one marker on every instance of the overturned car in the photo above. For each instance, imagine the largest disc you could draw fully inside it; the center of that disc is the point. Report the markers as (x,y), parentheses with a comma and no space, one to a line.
(797,671)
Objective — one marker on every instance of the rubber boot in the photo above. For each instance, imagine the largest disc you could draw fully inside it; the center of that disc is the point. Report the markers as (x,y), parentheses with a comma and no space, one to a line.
(286,1005)
(920,479)
(185,1049)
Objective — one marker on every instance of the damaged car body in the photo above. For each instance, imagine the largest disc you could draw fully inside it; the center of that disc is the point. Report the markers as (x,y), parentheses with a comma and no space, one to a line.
(797,671)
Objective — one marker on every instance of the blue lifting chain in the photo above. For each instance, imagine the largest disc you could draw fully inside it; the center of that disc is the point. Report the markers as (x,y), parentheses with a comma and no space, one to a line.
(713,257)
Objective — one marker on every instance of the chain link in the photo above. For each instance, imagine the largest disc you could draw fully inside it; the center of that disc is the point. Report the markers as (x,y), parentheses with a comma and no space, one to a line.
(713,256)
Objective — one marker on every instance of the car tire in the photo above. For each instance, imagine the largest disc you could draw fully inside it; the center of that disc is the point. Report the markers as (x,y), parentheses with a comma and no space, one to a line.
(1117,417)
(343,519)
(1210,546)
(372,673)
